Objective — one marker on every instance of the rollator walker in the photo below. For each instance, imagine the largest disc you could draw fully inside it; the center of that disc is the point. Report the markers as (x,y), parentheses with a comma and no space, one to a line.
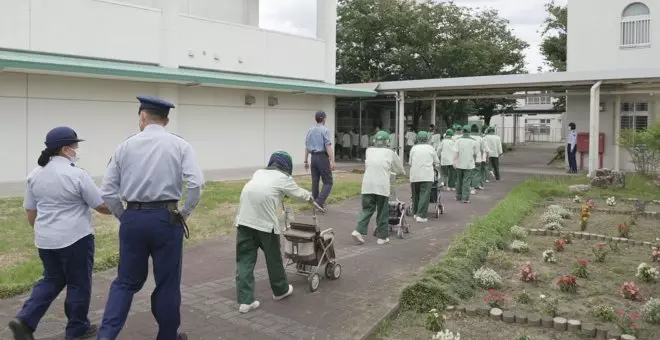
(308,248)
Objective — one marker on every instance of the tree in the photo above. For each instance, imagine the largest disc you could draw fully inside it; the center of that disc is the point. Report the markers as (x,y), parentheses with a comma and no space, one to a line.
(553,46)
(385,40)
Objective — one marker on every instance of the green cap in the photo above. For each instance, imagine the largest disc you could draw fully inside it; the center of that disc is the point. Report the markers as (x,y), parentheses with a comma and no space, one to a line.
(449,132)
(466,128)
(490,129)
(422,137)
(456,126)
(382,135)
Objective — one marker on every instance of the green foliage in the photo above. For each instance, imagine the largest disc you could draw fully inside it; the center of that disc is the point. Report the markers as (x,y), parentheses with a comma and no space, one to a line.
(468,252)
(643,147)
(523,298)
(434,321)
(386,40)
(604,313)
(553,45)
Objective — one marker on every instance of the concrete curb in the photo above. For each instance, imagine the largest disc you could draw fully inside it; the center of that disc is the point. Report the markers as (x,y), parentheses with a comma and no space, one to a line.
(389,315)
(587,236)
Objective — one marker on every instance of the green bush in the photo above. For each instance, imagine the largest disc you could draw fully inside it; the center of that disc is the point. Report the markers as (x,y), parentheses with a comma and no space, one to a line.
(451,279)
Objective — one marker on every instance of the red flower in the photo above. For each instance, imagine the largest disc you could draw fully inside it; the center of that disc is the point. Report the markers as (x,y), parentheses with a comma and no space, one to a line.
(635,316)
(633,325)
(600,245)
(491,290)
(583,262)
(619,313)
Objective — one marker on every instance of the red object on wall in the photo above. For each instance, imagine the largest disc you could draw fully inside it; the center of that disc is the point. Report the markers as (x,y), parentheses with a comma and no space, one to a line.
(583,147)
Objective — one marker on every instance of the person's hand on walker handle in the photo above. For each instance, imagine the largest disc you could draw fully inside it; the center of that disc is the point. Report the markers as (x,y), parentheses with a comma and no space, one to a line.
(315,205)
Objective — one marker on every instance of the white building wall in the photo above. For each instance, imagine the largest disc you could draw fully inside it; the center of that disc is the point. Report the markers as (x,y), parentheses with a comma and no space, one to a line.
(211,34)
(578,113)
(594,41)
(224,132)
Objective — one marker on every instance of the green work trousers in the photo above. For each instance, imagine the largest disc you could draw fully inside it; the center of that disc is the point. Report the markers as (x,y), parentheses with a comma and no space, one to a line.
(452,177)
(445,174)
(495,164)
(374,203)
(475,176)
(248,242)
(463,181)
(484,173)
(421,193)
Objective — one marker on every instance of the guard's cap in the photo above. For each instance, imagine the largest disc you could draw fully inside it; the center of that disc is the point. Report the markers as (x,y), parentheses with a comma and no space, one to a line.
(159,106)
(61,136)
(319,116)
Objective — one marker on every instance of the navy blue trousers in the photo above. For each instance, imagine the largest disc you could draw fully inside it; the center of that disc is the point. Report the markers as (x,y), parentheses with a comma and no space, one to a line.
(321,171)
(144,233)
(71,267)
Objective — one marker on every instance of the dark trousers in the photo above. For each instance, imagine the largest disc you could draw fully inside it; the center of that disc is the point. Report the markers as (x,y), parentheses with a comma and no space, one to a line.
(248,242)
(71,267)
(356,151)
(463,181)
(144,233)
(495,164)
(572,162)
(421,196)
(347,152)
(372,203)
(321,171)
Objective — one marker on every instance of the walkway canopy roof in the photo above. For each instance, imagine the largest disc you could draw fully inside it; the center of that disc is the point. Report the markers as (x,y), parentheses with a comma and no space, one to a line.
(500,84)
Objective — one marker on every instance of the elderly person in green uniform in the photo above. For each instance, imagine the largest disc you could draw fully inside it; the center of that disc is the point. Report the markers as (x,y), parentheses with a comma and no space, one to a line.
(423,159)
(257,226)
(494,143)
(458,131)
(478,175)
(466,149)
(380,162)
(446,151)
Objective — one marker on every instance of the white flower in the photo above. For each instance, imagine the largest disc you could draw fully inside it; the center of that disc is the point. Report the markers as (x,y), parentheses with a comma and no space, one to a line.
(611,201)
(577,199)
(487,278)
(518,233)
(542,296)
(447,335)
(559,210)
(519,246)
(549,256)
(647,273)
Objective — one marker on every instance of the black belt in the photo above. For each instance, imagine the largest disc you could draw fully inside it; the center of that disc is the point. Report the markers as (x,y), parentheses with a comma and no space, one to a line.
(172,209)
(151,205)
(319,152)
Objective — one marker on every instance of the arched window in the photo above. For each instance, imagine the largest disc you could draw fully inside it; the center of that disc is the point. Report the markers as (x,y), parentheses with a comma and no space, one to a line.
(636,26)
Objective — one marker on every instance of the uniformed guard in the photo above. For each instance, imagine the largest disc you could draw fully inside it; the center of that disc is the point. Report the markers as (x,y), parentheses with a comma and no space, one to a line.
(319,145)
(257,226)
(495,146)
(478,174)
(446,151)
(466,149)
(411,137)
(379,163)
(423,160)
(147,171)
(571,148)
(58,198)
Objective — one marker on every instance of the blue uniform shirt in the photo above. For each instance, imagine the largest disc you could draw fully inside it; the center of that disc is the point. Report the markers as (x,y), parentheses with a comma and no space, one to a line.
(151,166)
(62,195)
(318,137)
(572,138)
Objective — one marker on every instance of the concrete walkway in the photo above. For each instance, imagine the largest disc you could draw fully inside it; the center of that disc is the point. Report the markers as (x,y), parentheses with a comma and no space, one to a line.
(372,278)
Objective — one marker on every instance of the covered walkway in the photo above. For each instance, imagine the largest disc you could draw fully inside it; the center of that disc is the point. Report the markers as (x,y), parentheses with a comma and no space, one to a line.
(615,83)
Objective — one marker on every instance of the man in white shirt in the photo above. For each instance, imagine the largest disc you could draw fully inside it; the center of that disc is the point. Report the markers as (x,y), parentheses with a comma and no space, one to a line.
(393,141)
(466,149)
(346,144)
(446,151)
(411,136)
(364,144)
(355,144)
(423,160)
(478,178)
(494,143)
(571,148)
(436,137)
(380,162)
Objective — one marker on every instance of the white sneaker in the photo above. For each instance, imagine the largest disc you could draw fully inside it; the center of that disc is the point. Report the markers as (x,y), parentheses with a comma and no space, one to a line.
(357,237)
(415,217)
(277,298)
(472,192)
(487,181)
(246,308)
(381,241)
(421,220)
(480,188)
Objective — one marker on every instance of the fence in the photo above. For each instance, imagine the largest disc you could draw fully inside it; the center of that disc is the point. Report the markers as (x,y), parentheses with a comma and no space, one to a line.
(530,134)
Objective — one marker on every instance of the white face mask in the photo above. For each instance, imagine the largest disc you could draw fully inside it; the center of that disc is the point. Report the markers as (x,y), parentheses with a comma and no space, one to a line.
(76,156)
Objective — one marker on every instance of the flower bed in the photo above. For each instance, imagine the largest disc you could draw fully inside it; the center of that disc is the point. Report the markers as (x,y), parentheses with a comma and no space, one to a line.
(643,229)
(562,288)
(621,205)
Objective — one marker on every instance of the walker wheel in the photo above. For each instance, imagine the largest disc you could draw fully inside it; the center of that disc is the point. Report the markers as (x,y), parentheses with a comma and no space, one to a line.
(437,212)
(399,232)
(332,270)
(313,282)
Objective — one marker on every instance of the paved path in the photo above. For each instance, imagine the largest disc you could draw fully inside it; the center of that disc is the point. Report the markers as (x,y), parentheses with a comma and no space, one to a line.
(372,278)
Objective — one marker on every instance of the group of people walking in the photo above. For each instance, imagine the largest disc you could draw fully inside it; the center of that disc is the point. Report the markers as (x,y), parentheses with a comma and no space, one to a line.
(142,188)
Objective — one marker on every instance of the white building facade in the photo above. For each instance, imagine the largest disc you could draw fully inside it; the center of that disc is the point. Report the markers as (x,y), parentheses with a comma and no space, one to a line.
(241,92)
(628,38)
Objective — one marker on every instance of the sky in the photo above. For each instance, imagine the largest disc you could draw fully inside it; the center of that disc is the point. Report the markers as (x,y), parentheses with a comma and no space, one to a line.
(525,17)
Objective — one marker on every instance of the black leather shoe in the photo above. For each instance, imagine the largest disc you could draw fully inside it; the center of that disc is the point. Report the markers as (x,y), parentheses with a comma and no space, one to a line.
(92,331)
(182,336)
(20,330)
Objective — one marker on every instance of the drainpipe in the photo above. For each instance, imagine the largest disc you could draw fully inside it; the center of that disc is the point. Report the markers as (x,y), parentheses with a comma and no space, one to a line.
(401,100)
(594,127)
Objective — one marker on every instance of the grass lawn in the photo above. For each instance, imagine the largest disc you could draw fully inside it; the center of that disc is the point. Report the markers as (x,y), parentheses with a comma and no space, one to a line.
(449,280)
(601,223)
(20,266)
